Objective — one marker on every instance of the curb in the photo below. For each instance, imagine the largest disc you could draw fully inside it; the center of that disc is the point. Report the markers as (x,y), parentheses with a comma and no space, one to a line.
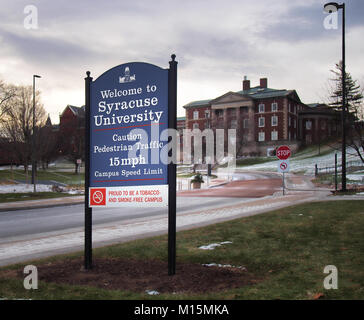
(39,206)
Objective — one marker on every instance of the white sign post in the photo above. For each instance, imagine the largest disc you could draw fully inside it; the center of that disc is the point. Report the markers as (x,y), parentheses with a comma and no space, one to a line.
(283,153)
(283,167)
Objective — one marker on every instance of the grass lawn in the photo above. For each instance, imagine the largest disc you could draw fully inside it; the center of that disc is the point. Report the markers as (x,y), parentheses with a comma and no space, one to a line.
(286,249)
(69,178)
(252,161)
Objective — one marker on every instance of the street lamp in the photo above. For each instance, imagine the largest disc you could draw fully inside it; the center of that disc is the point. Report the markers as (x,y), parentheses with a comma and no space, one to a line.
(329,8)
(207,116)
(33,140)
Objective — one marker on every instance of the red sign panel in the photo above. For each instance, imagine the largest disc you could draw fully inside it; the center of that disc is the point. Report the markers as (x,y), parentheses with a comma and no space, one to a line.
(283,152)
(98,197)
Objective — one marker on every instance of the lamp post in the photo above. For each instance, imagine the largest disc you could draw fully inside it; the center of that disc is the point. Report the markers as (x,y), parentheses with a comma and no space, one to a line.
(33,139)
(334,7)
(207,115)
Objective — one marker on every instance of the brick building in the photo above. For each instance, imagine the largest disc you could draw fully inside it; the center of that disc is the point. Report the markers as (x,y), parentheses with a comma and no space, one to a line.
(263,117)
(72,131)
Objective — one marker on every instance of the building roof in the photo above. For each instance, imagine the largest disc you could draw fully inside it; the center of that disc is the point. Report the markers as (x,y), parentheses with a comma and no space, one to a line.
(77,111)
(261,93)
(254,93)
(198,103)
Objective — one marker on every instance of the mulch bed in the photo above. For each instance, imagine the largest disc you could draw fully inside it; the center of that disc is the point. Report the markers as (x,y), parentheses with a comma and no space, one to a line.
(139,276)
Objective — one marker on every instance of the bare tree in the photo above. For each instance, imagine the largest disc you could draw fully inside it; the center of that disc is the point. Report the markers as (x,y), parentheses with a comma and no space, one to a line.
(17,121)
(6,93)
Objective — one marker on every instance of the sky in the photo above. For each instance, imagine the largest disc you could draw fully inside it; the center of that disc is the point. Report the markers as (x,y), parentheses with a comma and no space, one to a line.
(217,43)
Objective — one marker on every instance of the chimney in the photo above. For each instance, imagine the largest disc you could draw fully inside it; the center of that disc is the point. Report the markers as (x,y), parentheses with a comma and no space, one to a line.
(263,82)
(246,83)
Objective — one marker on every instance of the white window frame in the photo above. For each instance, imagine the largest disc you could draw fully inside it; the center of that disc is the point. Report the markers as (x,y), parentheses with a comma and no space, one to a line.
(274,117)
(245,123)
(274,135)
(261,125)
(261,108)
(196,115)
(274,107)
(308,125)
(261,136)
(233,124)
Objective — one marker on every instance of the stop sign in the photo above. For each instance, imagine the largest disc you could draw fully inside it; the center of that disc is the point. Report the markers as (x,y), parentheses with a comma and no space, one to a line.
(283,152)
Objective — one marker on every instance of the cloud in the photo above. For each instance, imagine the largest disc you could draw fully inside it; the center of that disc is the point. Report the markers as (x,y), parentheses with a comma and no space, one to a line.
(216,42)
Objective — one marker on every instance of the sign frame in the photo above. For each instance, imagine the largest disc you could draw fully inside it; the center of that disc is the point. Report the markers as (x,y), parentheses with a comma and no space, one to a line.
(171,169)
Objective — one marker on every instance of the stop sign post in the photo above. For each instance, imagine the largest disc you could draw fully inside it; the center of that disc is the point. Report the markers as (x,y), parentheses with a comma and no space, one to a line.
(283,153)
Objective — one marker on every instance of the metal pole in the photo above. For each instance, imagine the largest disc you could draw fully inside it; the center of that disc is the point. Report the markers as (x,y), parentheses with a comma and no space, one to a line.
(335,171)
(88,210)
(33,139)
(172,124)
(283,184)
(343,158)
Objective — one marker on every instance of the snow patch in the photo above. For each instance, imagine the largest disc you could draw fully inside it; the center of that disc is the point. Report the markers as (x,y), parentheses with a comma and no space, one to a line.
(224,266)
(24,188)
(152,292)
(212,246)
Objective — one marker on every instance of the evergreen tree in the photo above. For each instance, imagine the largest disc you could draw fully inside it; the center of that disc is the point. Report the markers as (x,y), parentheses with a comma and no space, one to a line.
(354,94)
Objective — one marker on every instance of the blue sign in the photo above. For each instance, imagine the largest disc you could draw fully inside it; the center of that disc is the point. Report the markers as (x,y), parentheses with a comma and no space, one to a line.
(129,110)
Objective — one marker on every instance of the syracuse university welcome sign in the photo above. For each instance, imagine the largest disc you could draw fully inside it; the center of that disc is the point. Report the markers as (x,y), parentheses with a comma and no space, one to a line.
(128,162)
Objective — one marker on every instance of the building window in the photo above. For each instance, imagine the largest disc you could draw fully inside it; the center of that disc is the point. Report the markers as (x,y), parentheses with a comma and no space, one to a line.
(274,106)
(261,122)
(289,121)
(196,126)
(295,123)
(274,135)
(195,115)
(207,114)
(289,107)
(261,136)
(261,108)
(308,125)
(219,113)
(274,121)
(207,125)
(246,123)
(233,124)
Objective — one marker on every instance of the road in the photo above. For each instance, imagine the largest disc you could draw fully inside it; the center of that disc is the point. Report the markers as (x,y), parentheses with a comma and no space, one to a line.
(22,224)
